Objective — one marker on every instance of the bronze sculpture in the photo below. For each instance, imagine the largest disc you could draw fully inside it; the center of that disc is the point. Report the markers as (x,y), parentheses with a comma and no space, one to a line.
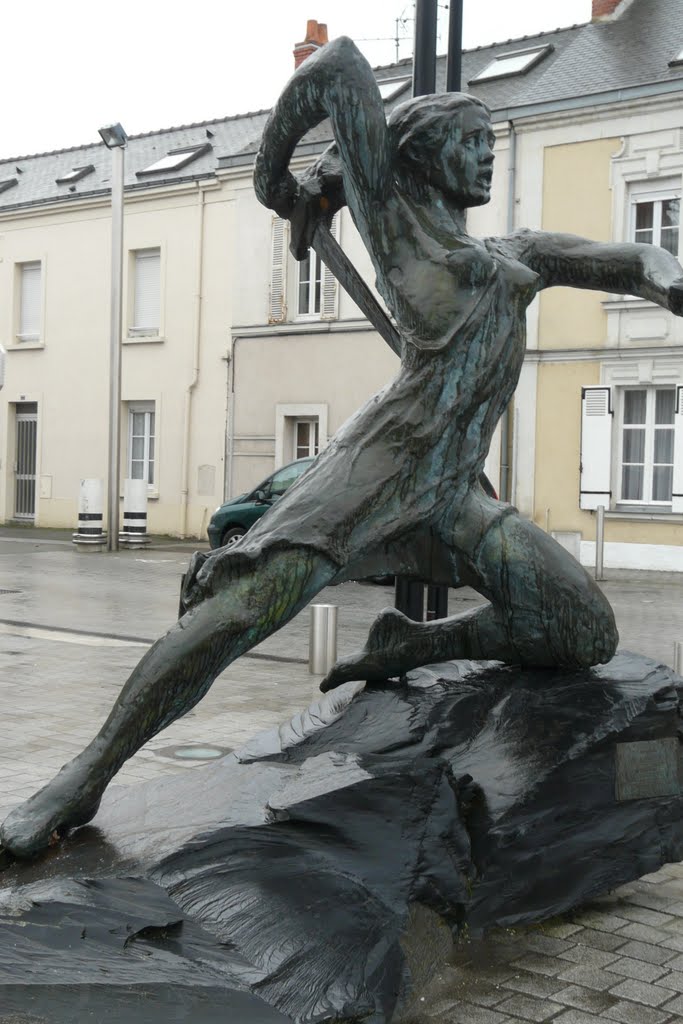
(397,488)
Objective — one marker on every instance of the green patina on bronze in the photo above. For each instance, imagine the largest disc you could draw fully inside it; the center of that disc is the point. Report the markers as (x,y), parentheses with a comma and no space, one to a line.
(396,490)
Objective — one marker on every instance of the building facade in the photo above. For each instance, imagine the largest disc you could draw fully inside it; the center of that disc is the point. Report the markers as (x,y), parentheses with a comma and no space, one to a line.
(236,359)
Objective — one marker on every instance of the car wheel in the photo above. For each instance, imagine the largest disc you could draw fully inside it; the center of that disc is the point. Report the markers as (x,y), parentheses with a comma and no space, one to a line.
(231,536)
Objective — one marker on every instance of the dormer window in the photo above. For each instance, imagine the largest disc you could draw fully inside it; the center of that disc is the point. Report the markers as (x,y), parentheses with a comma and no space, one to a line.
(391,87)
(678,59)
(75,175)
(514,62)
(8,183)
(176,159)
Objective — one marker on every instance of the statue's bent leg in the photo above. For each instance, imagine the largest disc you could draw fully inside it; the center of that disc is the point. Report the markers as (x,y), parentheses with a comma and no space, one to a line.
(544,610)
(239,600)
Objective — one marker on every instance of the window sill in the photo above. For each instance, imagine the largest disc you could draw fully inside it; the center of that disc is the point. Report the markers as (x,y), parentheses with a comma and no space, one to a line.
(139,339)
(19,343)
(642,516)
(152,495)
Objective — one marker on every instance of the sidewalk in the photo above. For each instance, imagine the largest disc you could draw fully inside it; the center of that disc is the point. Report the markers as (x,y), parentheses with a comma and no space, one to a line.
(72,626)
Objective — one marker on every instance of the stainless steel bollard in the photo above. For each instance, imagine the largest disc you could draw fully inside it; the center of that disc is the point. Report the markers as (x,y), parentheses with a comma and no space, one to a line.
(322,644)
(600,543)
(678,657)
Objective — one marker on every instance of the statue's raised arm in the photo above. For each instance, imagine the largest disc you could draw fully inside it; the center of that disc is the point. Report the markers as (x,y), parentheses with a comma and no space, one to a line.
(336,82)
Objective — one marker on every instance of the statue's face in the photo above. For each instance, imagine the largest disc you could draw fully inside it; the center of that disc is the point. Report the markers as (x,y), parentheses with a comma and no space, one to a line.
(463,167)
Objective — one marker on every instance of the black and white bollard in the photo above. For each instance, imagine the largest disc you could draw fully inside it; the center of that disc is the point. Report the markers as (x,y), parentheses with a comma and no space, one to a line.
(90,535)
(134,532)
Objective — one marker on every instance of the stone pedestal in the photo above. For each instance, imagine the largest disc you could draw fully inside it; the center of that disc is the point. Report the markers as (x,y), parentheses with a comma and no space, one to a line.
(319,872)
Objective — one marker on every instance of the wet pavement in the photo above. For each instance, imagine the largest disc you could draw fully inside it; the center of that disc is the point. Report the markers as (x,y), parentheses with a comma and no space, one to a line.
(73,625)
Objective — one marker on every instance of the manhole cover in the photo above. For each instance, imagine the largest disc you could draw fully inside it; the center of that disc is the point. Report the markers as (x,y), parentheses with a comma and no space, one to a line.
(193,752)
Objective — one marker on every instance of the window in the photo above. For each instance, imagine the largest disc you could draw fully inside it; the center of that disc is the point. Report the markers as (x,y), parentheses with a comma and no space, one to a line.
(391,87)
(310,285)
(306,438)
(656,219)
(313,293)
(8,183)
(75,175)
(176,159)
(283,480)
(632,447)
(30,301)
(300,431)
(515,62)
(141,446)
(646,457)
(146,292)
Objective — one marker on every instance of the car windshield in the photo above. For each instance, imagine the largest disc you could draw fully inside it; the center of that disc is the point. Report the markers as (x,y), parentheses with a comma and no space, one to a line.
(285,477)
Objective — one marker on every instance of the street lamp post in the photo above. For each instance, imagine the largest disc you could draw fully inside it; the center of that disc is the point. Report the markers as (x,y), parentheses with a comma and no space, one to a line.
(115,139)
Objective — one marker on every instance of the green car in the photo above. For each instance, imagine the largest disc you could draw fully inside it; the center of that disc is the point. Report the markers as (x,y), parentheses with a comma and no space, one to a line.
(231,521)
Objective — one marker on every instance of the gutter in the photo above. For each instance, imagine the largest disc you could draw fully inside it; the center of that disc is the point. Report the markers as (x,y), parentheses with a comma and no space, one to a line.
(196,339)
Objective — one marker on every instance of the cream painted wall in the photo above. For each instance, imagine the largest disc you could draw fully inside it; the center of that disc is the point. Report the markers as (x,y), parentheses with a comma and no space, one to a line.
(577,199)
(340,370)
(558,437)
(68,373)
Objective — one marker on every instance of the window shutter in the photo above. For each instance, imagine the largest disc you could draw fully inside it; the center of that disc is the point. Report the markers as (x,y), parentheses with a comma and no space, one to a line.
(329,309)
(677,491)
(147,290)
(596,447)
(277,312)
(29,316)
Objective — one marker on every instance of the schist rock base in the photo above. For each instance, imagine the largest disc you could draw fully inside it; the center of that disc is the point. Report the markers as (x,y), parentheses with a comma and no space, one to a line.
(320,872)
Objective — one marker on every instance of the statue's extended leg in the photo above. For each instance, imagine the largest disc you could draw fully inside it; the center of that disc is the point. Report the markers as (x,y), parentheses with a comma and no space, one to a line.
(242,599)
(544,609)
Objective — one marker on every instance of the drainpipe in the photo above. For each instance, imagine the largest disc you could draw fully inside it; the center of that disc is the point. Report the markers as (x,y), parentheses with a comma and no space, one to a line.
(506,494)
(196,337)
(229,418)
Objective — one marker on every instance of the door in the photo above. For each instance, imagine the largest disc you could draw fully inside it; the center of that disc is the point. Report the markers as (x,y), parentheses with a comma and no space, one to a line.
(25,461)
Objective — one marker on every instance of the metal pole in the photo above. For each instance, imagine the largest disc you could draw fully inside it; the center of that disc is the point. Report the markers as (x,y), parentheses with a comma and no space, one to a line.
(454,59)
(322,645)
(117,166)
(424,57)
(599,542)
(678,657)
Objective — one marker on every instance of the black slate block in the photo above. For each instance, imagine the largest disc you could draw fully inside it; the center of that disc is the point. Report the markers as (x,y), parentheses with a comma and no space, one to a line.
(305,877)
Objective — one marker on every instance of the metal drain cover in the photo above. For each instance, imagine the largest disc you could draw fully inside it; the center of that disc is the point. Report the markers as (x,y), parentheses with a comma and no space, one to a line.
(194,752)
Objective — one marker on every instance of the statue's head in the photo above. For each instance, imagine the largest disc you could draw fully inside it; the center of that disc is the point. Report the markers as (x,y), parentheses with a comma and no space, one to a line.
(445,141)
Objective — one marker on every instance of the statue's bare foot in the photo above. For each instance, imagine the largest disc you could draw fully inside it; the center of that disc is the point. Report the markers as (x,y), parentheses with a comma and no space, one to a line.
(383,656)
(69,800)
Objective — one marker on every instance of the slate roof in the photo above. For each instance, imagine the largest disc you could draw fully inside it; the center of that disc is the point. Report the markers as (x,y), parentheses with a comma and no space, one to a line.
(601,60)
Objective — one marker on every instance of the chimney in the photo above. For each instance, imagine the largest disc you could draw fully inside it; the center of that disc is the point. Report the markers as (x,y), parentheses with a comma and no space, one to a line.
(603,10)
(316,36)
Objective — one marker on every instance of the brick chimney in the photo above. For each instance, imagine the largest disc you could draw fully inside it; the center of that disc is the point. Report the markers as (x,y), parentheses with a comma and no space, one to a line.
(316,36)
(604,9)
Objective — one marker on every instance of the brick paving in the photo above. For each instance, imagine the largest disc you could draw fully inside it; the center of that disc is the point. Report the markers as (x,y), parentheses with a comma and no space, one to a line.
(72,626)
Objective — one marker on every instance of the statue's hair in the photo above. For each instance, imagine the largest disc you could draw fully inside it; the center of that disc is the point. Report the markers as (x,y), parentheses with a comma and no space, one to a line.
(421,125)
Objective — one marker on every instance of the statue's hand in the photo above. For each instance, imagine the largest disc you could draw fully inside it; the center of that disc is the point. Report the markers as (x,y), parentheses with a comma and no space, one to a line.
(311,209)
(284,196)
(320,196)
(675,302)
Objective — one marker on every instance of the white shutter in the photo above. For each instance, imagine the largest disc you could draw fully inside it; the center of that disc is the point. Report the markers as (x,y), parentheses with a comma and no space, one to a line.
(596,447)
(677,492)
(277,311)
(329,307)
(31,295)
(146,315)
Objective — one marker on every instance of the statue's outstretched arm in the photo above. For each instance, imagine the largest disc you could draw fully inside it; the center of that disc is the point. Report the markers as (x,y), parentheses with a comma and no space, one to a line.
(336,82)
(631,268)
